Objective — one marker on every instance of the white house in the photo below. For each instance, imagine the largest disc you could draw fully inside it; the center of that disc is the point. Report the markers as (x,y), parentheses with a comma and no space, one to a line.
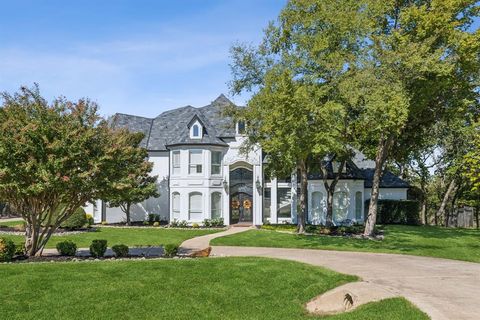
(202,175)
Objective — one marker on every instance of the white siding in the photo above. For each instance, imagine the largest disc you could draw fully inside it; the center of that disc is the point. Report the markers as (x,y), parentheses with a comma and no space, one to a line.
(388,193)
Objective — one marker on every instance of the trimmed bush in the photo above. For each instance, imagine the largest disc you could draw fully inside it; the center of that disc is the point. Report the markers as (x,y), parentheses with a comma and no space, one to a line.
(98,248)
(195,225)
(218,222)
(67,248)
(7,249)
(397,211)
(76,221)
(170,250)
(90,220)
(151,218)
(156,224)
(120,250)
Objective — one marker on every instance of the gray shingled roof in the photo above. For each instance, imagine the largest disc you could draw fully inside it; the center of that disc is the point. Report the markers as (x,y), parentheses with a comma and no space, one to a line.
(389,180)
(171,127)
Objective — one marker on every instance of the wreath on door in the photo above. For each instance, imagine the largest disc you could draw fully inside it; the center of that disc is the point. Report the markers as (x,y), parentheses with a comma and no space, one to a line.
(235,204)
(247,204)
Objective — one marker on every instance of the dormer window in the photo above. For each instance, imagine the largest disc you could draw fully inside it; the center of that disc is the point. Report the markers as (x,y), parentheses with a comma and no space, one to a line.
(241,127)
(196,130)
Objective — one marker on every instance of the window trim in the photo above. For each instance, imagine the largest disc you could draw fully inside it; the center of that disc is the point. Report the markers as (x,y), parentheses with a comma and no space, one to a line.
(220,209)
(195,166)
(190,211)
(174,194)
(174,165)
(359,205)
(219,165)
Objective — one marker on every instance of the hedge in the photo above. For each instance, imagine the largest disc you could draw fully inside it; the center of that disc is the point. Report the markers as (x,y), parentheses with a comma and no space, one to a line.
(397,211)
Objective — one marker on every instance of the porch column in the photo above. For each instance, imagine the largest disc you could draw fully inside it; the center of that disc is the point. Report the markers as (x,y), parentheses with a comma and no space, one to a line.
(294,197)
(274,205)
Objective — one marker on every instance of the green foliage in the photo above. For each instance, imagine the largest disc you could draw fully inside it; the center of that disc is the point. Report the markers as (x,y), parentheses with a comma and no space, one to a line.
(156,224)
(217,222)
(170,250)
(76,221)
(120,250)
(65,156)
(398,211)
(472,160)
(67,248)
(178,223)
(90,220)
(195,225)
(7,249)
(98,248)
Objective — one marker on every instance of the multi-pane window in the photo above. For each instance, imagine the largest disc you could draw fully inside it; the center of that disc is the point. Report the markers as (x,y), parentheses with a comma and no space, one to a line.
(284,202)
(176,205)
(216,162)
(195,162)
(317,207)
(216,205)
(267,203)
(358,206)
(196,131)
(340,206)
(176,162)
(195,208)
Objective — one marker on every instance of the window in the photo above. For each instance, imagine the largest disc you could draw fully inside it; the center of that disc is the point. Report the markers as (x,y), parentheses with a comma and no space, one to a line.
(216,205)
(358,206)
(195,211)
(176,162)
(284,203)
(176,205)
(241,127)
(267,202)
(317,207)
(216,162)
(195,162)
(340,206)
(196,131)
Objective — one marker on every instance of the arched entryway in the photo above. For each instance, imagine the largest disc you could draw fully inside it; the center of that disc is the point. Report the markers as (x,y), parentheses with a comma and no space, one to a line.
(241,195)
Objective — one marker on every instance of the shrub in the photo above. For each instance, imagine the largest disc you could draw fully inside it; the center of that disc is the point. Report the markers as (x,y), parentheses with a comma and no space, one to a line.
(156,224)
(217,222)
(77,220)
(397,211)
(157,218)
(207,223)
(67,248)
(20,249)
(90,220)
(7,249)
(98,248)
(195,225)
(146,223)
(120,250)
(104,223)
(170,250)
(151,218)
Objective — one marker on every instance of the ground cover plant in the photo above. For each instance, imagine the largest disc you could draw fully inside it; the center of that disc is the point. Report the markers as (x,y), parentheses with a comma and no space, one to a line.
(220,288)
(459,244)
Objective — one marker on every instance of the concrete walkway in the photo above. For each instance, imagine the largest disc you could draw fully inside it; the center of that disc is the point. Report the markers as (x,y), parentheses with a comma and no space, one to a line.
(10,219)
(203,242)
(444,289)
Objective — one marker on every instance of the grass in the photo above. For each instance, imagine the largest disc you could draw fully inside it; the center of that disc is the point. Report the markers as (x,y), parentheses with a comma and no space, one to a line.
(128,236)
(11,223)
(216,288)
(458,244)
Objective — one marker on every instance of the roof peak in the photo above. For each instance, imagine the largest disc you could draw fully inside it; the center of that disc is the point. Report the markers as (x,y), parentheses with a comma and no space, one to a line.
(221,99)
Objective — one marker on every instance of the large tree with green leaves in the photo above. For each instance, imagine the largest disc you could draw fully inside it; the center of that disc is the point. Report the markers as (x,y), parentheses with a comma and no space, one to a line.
(55,157)
(472,160)
(137,186)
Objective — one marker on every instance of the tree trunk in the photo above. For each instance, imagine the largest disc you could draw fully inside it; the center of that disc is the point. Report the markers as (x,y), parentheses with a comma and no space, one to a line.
(380,158)
(303,197)
(441,211)
(330,189)
(127,212)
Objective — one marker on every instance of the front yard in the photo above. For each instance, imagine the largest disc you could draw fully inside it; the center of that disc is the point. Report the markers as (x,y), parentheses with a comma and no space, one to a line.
(129,236)
(458,244)
(216,288)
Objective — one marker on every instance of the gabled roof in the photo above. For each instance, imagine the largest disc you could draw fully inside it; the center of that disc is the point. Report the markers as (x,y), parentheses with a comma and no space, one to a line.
(171,127)
(389,180)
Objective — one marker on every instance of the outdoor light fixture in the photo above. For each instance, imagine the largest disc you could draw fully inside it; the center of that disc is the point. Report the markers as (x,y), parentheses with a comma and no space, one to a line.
(258,184)
(225,185)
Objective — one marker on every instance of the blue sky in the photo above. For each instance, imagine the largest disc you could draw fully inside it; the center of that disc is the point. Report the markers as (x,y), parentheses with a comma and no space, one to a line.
(140,57)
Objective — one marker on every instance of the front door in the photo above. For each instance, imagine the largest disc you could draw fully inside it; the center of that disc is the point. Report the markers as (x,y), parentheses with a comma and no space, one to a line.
(241,196)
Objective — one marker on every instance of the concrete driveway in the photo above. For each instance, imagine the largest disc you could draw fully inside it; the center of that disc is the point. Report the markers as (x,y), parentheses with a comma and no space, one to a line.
(444,289)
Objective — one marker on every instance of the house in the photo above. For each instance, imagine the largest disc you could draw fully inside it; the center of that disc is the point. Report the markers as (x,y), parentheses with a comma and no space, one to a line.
(202,175)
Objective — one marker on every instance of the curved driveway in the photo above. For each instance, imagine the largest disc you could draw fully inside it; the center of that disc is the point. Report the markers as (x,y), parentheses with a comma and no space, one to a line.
(444,289)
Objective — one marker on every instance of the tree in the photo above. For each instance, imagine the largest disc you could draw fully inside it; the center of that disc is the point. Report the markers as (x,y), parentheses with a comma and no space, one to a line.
(419,66)
(56,157)
(135,187)
(296,113)
(472,160)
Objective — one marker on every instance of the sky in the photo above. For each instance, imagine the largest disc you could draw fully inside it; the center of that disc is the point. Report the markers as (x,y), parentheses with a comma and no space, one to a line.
(138,57)
(132,56)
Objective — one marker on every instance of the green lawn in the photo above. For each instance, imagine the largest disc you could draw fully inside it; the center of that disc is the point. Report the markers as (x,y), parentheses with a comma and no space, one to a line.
(129,236)
(459,244)
(11,223)
(215,288)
